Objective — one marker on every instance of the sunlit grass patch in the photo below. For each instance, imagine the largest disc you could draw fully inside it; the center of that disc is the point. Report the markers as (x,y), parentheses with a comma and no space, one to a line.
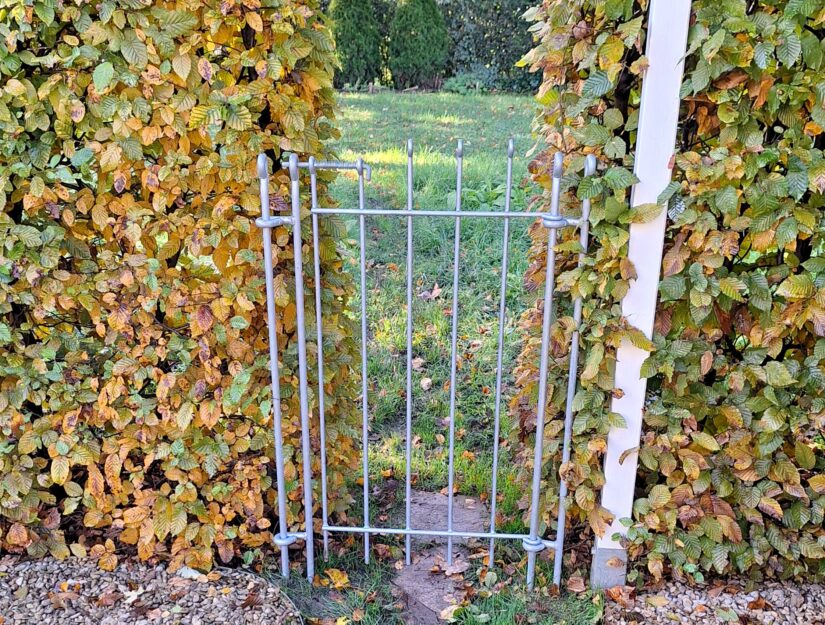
(376,128)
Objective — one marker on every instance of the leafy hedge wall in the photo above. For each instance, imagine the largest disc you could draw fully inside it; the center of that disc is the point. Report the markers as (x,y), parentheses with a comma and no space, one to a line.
(134,403)
(732,464)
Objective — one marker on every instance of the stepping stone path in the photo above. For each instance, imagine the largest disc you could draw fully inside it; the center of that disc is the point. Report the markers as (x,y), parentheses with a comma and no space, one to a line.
(426,586)
(77,592)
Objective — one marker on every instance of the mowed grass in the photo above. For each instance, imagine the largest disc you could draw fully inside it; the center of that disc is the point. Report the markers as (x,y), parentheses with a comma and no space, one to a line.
(376,127)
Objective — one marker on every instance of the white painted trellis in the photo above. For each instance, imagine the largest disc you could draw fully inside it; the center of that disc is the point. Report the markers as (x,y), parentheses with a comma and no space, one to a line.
(667,35)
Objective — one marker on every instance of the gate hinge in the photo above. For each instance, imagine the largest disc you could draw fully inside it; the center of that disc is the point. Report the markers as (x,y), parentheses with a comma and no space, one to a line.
(556,222)
(273,222)
(533,546)
(285,540)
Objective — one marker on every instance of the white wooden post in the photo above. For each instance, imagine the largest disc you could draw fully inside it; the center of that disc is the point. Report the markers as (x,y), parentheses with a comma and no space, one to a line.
(658,118)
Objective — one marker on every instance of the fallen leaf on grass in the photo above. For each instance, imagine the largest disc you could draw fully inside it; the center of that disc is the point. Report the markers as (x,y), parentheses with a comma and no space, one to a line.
(426,384)
(357,615)
(339,579)
(576,584)
(418,363)
(431,294)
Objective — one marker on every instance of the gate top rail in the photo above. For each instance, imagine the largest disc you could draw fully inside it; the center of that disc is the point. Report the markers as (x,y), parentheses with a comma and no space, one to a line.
(533,542)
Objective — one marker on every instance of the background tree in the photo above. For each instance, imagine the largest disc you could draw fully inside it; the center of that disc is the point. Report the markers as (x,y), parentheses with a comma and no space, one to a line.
(487,40)
(356,28)
(419,43)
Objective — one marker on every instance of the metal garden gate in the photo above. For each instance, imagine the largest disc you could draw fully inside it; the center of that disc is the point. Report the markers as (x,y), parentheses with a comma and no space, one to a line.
(532,543)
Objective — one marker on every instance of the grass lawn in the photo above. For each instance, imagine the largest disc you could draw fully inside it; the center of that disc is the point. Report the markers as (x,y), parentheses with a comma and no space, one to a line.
(376,127)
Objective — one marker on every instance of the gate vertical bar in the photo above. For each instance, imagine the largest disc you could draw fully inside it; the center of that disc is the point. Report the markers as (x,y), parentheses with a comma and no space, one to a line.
(282,539)
(572,379)
(533,545)
(365,414)
(306,451)
(408,474)
(502,309)
(459,157)
(316,259)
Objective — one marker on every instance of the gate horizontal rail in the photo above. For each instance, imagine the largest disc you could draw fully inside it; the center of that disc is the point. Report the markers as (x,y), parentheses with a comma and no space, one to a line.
(532,542)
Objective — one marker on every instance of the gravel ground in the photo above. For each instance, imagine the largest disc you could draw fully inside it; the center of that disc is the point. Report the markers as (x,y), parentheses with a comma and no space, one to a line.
(76,592)
(772,603)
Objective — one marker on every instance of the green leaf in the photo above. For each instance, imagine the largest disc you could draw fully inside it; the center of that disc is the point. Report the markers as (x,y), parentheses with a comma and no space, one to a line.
(29,235)
(102,76)
(727,200)
(613,118)
(733,287)
(804,455)
(659,496)
(762,53)
(670,190)
(645,213)
(182,64)
(239,323)
(82,156)
(618,178)
(789,50)
(589,188)
(134,50)
(798,286)
(705,440)
(176,23)
(615,148)
(778,374)
(598,84)
(797,178)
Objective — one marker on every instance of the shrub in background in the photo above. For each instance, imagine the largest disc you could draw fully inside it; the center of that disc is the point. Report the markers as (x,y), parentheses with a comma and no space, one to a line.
(418,44)
(487,39)
(356,28)
(134,398)
(732,462)
(469,82)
